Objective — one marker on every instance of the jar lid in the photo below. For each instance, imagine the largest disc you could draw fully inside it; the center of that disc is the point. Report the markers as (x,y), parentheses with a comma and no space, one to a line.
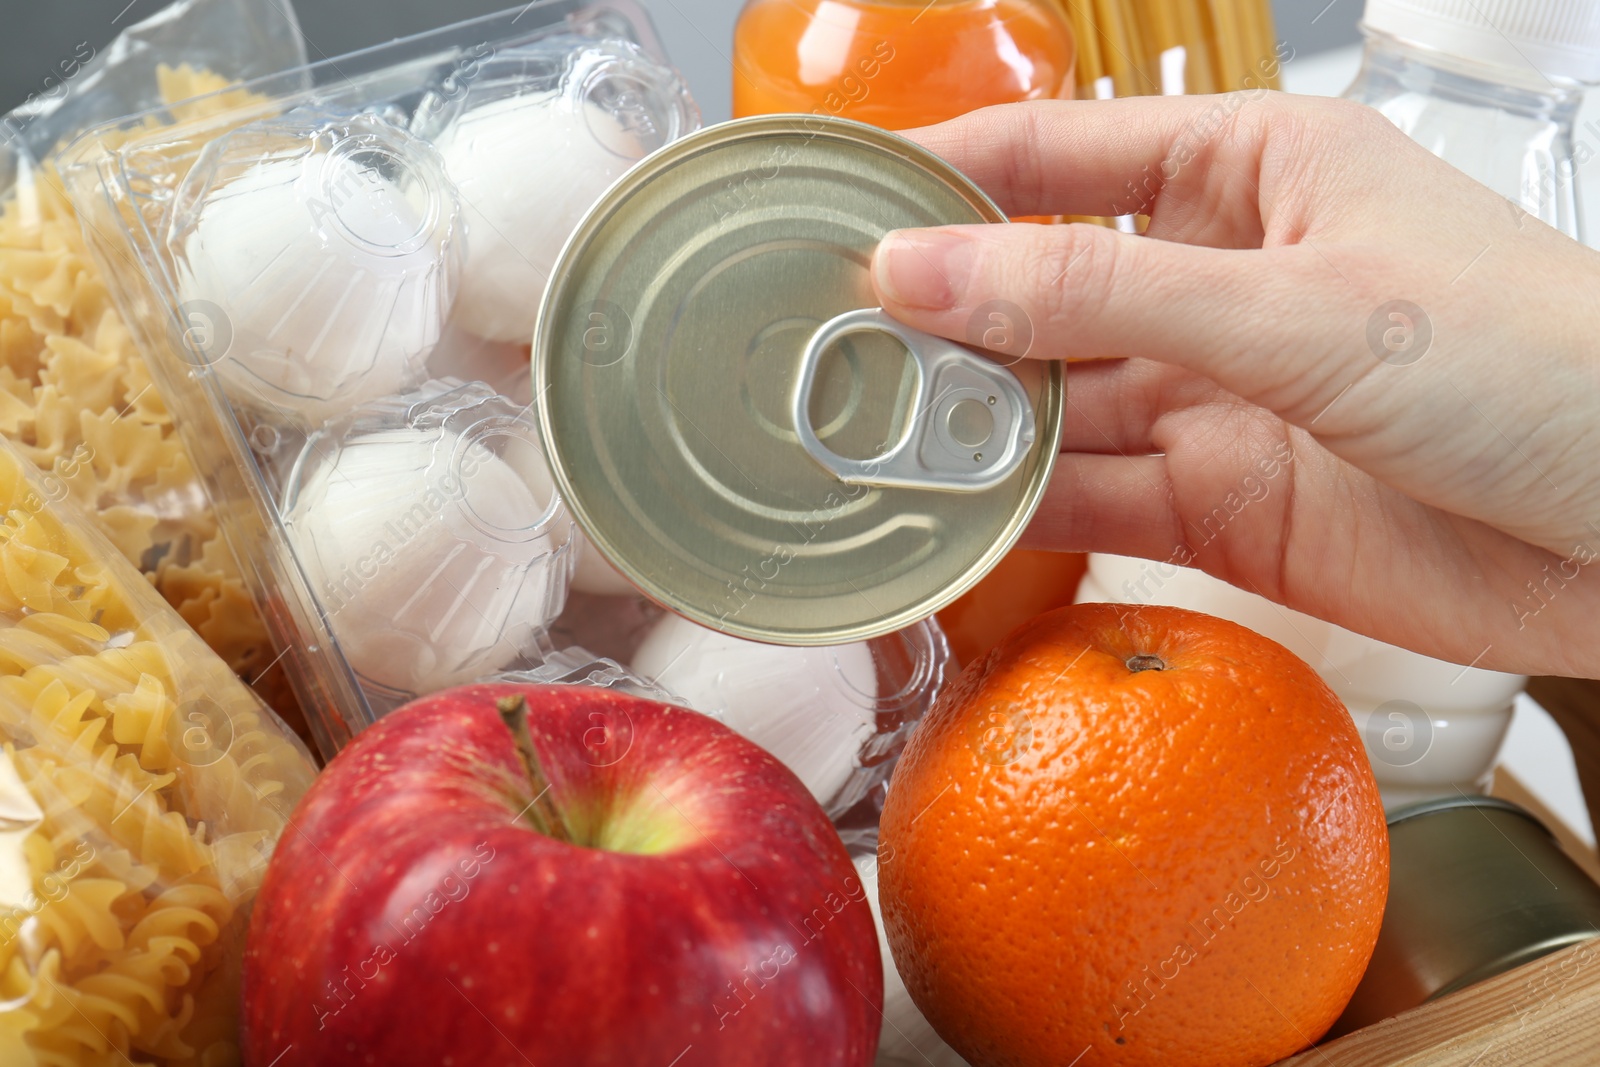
(740,431)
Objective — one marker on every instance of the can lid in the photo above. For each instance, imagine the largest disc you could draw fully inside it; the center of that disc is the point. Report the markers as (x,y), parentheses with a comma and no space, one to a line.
(1516,958)
(1475,801)
(738,428)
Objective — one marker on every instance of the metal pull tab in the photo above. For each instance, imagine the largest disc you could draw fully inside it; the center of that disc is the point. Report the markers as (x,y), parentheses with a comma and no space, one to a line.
(971,428)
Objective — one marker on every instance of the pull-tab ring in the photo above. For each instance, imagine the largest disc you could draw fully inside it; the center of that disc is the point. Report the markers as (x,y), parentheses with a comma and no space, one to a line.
(972,426)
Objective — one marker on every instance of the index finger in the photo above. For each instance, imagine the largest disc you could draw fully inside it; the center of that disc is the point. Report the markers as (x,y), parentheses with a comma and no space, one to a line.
(1110,157)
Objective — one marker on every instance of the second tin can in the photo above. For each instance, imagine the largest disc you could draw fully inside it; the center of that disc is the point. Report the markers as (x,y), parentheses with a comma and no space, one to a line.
(1477,886)
(741,431)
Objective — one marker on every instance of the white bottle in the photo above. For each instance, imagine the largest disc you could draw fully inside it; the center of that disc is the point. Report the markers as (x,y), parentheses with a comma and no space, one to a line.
(1492,87)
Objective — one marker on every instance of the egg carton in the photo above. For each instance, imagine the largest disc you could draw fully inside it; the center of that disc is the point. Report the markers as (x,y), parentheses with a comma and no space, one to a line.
(335,275)
(337,278)
(838,716)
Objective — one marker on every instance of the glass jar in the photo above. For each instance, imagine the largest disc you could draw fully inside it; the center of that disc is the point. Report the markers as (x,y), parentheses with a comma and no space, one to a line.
(898,65)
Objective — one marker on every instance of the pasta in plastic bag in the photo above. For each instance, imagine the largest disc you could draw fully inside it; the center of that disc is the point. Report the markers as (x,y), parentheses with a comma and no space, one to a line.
(142,790)
(75,394)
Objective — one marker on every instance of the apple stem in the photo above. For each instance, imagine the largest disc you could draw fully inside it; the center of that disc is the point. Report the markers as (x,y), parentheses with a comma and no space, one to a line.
(542,811)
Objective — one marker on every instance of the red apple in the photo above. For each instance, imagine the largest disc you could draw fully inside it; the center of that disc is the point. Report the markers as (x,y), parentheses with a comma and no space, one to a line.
(703,912)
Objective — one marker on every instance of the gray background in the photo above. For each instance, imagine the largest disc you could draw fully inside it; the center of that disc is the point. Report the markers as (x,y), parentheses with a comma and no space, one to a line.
(698,33)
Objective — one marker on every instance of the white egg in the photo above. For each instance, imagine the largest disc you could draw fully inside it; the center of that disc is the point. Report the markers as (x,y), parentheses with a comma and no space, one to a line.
(434,552)
(595,575)
(506,367)
(907,1038)
(528,167)
(324,272)
(591,573)
(809,707)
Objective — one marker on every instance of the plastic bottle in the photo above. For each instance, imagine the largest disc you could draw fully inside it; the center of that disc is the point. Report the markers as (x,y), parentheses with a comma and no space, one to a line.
(898,65)
(1493,87)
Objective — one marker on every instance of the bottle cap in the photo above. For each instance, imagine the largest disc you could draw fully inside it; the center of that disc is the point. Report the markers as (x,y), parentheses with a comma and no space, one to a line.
(1556,39)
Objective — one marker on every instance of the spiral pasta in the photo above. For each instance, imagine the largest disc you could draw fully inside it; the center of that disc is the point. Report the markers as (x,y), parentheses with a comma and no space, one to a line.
(77,399)
(148,786)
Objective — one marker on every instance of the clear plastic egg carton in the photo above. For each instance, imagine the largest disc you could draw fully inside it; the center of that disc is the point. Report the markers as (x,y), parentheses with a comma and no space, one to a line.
(838,716)
(335,280)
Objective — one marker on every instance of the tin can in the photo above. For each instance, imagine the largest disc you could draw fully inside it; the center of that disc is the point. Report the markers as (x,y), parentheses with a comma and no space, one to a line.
(738,428)
(1477,886)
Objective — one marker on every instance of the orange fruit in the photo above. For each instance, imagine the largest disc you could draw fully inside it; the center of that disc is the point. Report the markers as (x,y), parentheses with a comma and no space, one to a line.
(1133,836)
(1023,584)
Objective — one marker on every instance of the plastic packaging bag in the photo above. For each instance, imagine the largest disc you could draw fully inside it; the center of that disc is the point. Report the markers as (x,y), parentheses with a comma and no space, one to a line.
(142,787)
(236,39)
(75,393)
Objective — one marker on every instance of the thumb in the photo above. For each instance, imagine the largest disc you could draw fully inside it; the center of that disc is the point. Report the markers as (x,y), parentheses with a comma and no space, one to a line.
(1279,326)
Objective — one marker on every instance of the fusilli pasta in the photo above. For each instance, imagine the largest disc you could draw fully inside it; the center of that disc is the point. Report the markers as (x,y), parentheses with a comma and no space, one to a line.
(77,399)
(161,784)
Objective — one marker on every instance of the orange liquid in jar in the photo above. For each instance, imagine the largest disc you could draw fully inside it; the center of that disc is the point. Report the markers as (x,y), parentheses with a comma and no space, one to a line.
(898,65)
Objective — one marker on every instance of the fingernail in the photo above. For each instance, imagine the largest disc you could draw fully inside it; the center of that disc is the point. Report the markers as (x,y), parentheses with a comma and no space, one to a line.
(925,269)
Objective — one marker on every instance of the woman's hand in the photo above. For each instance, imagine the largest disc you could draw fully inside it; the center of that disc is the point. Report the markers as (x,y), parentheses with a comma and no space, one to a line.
(1335,371)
